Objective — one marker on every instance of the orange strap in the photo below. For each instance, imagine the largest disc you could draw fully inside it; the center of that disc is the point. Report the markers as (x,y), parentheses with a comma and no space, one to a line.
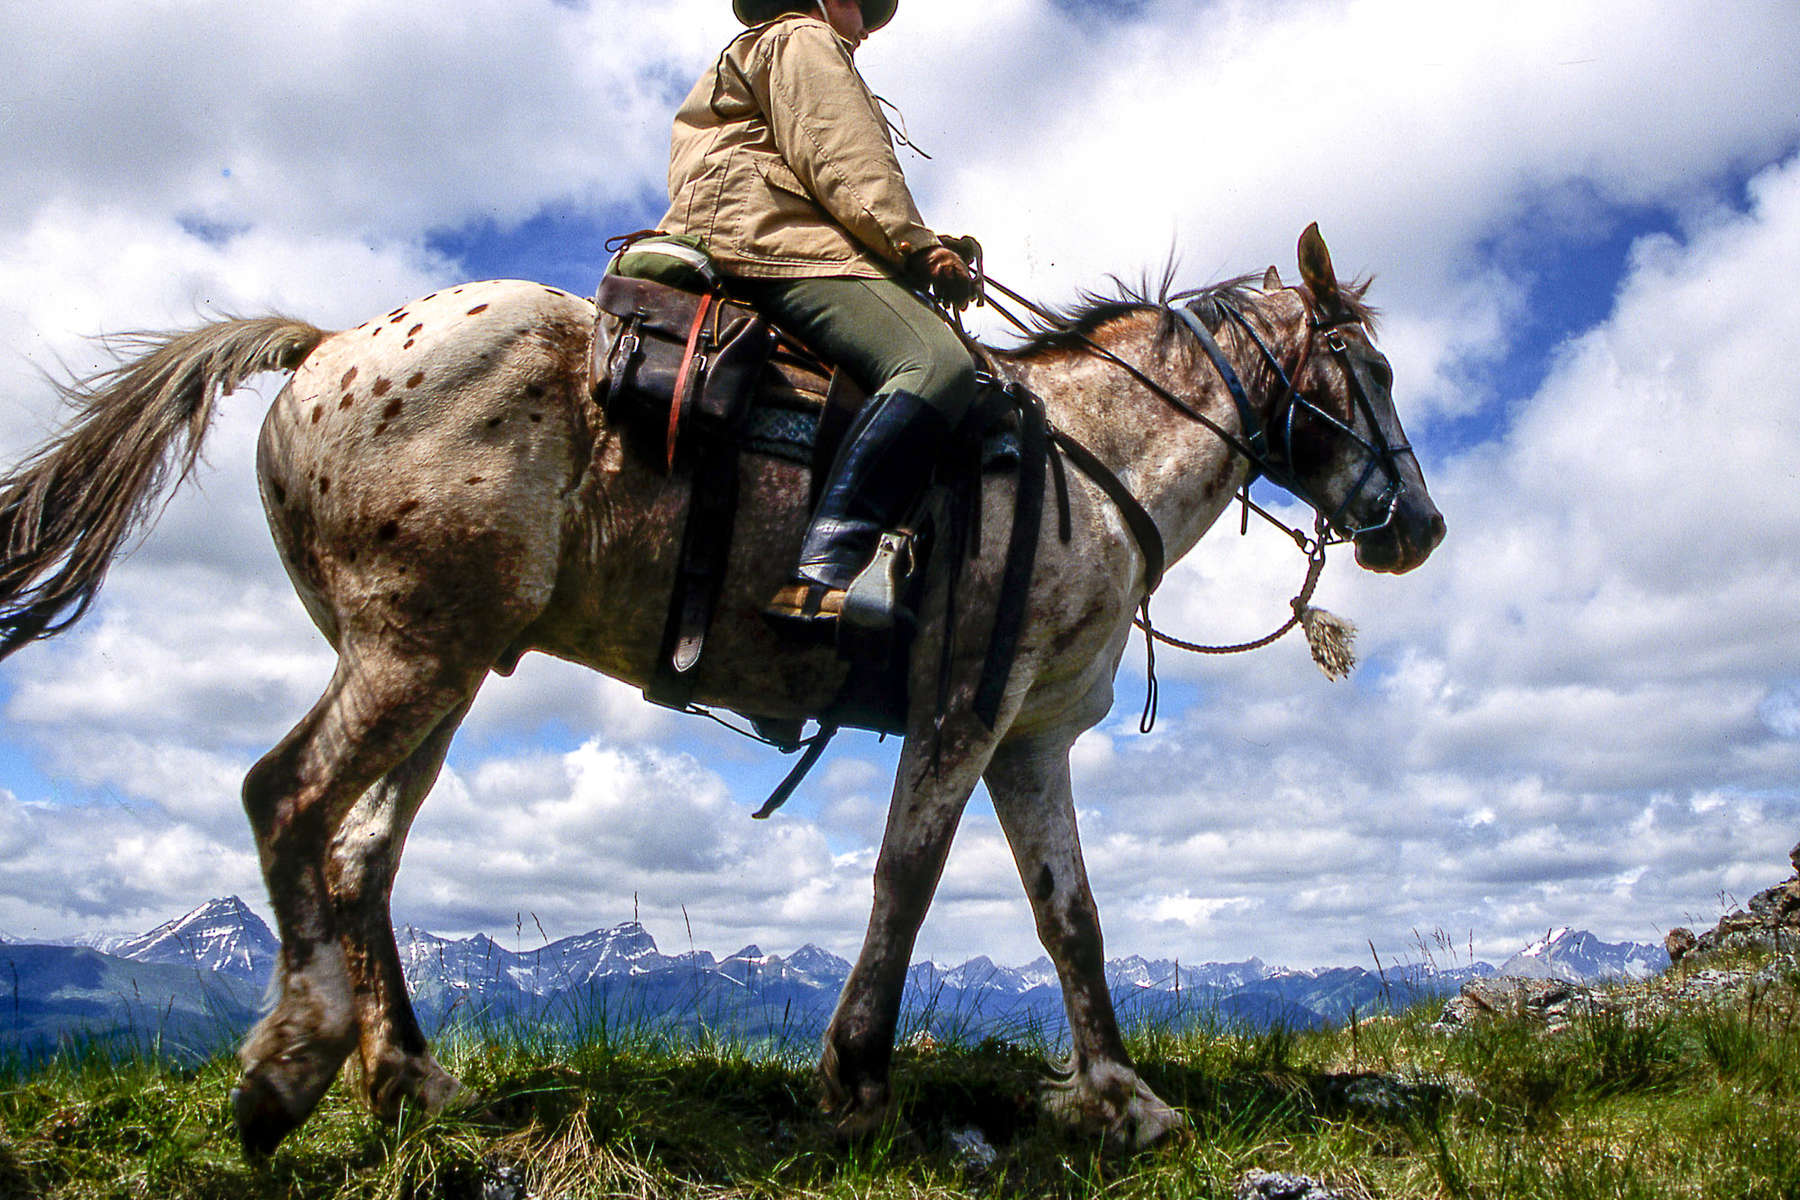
(677,401)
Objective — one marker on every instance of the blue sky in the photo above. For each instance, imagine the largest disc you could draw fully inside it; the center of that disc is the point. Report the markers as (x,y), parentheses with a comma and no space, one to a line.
(1579,216)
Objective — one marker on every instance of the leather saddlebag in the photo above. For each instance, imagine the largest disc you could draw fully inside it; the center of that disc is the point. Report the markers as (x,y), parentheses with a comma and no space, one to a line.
(680,365)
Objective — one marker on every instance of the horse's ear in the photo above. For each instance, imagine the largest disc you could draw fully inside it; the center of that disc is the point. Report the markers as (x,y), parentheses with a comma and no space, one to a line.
(1315,266)
(1271,280)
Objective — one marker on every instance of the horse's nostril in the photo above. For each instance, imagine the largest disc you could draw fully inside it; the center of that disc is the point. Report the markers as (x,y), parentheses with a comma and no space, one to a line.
(1437,528)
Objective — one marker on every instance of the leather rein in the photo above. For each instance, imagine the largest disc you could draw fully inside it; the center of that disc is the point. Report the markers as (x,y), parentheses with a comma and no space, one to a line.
(1254,444)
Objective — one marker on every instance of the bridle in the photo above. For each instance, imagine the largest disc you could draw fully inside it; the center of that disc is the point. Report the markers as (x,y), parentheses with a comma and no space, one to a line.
(1327,636)
(1292,406)
(1268,446)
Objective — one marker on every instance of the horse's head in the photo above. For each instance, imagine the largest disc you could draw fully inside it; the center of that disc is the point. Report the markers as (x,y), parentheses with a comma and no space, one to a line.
(1336,434)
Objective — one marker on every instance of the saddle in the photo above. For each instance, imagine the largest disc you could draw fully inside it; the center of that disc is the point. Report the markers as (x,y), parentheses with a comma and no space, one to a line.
(695,379)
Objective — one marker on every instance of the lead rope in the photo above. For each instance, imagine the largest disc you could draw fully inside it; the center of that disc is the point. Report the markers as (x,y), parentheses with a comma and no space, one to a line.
(1330,638)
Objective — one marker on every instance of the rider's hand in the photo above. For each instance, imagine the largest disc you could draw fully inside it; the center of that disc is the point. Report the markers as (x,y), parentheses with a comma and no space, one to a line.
(948,276)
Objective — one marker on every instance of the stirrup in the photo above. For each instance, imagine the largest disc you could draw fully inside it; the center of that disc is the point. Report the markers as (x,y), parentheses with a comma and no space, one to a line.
(805,607)
(873,617)
(872,602)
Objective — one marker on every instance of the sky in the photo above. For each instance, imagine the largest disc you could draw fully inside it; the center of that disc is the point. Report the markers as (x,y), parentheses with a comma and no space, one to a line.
(1583,219)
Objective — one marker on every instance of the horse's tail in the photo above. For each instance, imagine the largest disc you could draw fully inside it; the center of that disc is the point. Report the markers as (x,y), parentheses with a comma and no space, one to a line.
(66,510)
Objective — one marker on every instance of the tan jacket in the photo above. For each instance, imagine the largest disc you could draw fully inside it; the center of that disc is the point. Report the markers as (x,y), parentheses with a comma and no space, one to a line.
(782,163)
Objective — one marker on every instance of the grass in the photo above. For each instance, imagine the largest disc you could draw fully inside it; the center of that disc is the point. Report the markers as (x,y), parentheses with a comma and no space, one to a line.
(1701,1100)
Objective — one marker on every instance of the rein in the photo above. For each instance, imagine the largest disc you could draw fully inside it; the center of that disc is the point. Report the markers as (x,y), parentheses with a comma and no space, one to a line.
(1329,637)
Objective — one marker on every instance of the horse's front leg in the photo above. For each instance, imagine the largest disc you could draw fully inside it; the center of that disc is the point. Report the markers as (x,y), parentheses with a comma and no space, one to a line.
(928,802)
(1029,781)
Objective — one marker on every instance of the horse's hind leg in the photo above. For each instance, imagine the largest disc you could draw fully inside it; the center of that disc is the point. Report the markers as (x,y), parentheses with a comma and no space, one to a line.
(397,1063)
(1029,782)
(383,701)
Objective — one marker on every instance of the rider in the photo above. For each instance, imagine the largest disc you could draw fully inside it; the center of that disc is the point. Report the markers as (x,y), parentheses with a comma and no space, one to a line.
(783,166)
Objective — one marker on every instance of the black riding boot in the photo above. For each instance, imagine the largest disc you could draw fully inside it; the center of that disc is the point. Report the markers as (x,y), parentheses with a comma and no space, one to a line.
(879,474)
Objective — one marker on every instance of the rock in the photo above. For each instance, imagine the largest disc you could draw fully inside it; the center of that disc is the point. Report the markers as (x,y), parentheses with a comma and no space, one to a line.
(1377,1095)
(1771,921)
(1553,1001)
(502,1182)
(972,1149)
(1270,1185)
(1679,942)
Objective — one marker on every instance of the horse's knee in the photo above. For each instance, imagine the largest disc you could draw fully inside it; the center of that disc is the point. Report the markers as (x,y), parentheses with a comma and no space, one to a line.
(359,868)
(288,822)
(1068,925)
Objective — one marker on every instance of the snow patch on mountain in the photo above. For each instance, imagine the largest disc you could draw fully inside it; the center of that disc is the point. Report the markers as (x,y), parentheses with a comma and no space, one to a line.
(1576,956)
(221,935)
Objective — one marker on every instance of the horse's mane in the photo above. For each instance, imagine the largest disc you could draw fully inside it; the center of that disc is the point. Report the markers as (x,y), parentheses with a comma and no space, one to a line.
(1065,328)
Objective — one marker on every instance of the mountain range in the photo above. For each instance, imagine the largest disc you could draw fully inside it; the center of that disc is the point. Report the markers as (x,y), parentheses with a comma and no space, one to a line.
(191,985)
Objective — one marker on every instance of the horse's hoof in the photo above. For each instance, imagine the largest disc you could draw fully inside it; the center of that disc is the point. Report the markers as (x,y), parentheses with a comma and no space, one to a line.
(868,1124)
(1112,1101)
(262,1119)
(1144,1126)
(406,1087)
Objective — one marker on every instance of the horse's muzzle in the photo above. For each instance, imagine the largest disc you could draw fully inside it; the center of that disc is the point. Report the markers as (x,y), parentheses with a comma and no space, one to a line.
(1403,542)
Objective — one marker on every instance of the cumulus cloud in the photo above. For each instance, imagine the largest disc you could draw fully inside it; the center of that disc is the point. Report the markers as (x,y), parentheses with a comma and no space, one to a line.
(1585,700)
(1582,712)
(1417,134)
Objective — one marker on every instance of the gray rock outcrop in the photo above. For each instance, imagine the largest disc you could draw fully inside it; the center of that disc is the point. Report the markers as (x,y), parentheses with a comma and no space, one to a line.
(1771,921)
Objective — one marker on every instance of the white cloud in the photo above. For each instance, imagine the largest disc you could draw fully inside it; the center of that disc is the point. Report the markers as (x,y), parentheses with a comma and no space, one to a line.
(1581,712)
(1416,133)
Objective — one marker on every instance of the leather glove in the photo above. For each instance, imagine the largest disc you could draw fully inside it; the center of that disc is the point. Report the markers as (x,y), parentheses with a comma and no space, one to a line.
(945,273)
(966,247)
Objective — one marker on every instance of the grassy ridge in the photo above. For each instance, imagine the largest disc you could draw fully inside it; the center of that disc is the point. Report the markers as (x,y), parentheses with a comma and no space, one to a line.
(1695,1099)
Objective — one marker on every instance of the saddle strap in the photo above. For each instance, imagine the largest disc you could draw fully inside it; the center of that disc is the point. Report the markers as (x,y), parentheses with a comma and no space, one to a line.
(699,572)
(815,746)
(1137,519)
(692,367)
(1021,554)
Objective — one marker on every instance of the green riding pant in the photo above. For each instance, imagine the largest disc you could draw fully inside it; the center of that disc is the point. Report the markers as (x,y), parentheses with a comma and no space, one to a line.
(886,337)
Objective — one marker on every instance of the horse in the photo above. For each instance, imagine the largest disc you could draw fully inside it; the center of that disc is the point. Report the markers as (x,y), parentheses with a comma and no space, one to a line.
(446,496)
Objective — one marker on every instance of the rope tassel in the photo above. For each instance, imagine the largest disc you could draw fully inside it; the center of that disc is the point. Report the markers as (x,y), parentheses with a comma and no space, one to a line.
(1331,638)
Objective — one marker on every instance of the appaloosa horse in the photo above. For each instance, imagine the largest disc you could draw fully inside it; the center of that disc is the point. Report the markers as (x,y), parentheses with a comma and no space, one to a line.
(445,497)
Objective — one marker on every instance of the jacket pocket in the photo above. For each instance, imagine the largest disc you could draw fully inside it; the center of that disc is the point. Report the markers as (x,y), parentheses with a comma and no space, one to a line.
(777,174)
(785,223)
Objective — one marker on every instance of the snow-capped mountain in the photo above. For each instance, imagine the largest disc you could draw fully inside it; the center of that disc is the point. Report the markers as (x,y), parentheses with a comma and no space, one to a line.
(479,963)
(220,935)
(223,944)
(820,967)
(1578,957)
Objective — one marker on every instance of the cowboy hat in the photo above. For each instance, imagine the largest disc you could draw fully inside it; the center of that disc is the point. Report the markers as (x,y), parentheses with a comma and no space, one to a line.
(876,13)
